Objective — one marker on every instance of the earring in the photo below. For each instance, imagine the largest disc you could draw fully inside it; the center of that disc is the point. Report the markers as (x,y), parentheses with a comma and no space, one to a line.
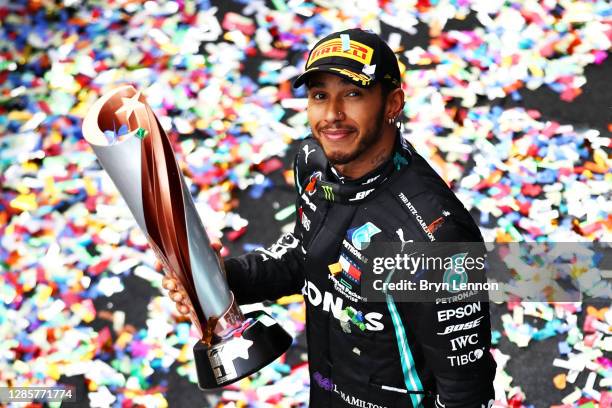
(390,120)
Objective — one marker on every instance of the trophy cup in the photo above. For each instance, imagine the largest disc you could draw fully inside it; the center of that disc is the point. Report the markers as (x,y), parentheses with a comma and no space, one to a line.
(142,165)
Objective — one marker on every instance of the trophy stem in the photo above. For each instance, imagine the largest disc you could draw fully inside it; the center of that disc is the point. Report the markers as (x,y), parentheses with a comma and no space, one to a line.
(230,320)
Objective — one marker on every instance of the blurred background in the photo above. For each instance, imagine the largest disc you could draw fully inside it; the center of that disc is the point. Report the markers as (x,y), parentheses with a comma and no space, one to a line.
(508,100)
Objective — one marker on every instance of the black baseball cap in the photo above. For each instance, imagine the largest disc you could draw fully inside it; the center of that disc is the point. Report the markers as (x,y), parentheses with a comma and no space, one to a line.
(358,55)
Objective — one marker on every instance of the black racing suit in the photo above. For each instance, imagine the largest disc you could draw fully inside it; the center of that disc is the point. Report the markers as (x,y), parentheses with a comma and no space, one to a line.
(399,356)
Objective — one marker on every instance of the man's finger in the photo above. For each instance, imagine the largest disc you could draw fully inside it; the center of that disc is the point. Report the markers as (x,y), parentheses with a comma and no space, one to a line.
(168,283)
(216,246)
(182,309)
(176,296)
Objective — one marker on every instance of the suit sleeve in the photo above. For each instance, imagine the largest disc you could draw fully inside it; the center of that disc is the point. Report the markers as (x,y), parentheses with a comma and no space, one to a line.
(270,273)
(267,274)
(455,335)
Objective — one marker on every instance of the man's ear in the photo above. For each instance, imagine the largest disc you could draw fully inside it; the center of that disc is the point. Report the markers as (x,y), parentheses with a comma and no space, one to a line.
(395,102)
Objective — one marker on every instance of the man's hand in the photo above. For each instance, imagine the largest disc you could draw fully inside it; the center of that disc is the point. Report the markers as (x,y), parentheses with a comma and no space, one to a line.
(177,293)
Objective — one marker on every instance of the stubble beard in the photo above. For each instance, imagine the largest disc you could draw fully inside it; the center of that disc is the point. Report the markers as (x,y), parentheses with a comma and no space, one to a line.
(369,139)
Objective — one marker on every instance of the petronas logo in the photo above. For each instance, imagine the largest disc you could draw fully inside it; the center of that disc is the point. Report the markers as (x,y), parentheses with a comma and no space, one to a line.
(328,193)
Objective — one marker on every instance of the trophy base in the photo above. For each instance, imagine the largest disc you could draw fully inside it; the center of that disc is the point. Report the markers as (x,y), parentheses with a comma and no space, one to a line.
(242,354)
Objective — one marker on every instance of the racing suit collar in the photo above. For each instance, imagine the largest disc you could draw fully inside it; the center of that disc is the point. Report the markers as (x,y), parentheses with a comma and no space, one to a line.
(334,187)
(400,156)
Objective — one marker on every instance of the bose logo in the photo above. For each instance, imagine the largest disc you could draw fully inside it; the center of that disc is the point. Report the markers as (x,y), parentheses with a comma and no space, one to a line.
(462,326)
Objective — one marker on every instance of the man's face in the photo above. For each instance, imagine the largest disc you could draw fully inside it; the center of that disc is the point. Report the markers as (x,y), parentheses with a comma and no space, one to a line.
(345,119)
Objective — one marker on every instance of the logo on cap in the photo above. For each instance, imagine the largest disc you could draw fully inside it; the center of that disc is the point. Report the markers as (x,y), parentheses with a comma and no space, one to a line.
(365,80)
(333,48)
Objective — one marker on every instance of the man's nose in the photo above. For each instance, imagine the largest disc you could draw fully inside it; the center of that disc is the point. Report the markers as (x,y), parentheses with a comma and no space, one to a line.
(335,111)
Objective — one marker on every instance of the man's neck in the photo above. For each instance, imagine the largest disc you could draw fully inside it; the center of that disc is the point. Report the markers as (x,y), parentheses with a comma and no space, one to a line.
(367,163)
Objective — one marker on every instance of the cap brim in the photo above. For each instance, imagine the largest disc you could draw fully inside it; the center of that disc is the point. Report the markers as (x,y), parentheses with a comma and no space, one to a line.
(359,78)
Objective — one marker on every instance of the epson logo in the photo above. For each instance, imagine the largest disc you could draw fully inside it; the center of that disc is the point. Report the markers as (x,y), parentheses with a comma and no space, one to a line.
(462,341)
(461,326)
(459,312)
(334,304)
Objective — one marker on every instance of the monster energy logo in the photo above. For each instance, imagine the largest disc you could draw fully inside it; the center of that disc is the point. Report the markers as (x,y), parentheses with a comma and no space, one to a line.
(328,193)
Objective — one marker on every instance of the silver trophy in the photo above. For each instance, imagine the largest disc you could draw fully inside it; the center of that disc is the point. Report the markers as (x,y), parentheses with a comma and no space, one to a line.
(143,167)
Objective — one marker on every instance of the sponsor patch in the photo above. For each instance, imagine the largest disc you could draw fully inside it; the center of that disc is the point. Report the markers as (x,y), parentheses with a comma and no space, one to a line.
(311,187)
(307,153)
(328,192)
(371,179)
(350,270)
(417,216)
(335,305)
(280,248)
(364,79)
(437,223)
(464,359)
(361,195)
(462,341)
(459,312)
(304,219)
(333,48)
(361,257)
(309,203)
(362,236)
(461,326)
(335,268)
(400,235)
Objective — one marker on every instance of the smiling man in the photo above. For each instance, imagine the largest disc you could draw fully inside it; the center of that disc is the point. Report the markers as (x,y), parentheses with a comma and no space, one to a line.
(346,124)
(358,183)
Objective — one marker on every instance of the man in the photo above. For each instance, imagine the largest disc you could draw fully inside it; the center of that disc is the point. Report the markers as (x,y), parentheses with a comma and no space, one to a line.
(359,182)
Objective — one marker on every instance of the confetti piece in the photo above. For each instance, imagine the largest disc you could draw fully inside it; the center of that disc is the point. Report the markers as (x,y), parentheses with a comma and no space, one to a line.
(141,133)
(284,213)
(559,381)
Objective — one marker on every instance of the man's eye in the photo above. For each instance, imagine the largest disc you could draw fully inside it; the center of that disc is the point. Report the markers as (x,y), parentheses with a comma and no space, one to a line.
(353,93)
(318,96)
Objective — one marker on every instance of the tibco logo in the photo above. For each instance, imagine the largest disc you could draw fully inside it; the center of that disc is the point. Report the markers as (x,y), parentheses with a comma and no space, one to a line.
(464,359)
(334,304)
